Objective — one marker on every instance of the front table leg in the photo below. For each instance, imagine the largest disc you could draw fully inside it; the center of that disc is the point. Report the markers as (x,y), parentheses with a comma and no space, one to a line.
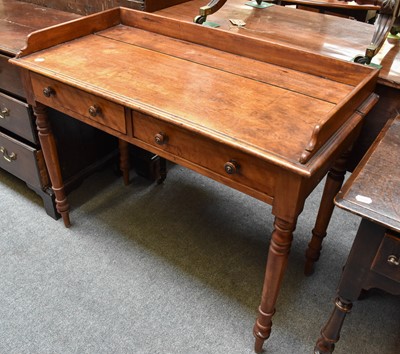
(276,265)
(333,184)
(50,154)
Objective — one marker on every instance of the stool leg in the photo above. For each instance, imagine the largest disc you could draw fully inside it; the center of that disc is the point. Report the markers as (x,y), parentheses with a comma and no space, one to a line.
(330,334)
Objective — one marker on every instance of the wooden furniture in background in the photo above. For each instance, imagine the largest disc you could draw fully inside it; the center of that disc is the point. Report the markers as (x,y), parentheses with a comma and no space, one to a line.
(219,103)
(20,150)
(344,9)
(372,192)
(330,7)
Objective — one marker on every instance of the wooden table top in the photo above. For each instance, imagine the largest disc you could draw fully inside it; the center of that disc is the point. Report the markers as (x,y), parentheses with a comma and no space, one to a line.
(373,190)
(265,97)
(351,5)
(323,34)
(19,19)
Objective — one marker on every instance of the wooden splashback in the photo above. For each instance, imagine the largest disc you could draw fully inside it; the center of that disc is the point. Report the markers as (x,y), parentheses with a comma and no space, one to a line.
(86,7)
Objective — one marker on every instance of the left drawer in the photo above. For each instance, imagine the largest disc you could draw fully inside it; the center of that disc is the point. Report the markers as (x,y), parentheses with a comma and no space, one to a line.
(10,78)
(72,100)
(23,161)
(16,117)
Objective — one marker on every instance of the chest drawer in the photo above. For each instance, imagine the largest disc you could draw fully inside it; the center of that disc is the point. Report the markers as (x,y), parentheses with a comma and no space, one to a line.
(22,161)
(10,79)
(59,96)
(387,259)
(225,161)
(16,117)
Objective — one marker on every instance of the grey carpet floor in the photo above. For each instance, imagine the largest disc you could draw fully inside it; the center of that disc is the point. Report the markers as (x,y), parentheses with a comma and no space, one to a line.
(175,268)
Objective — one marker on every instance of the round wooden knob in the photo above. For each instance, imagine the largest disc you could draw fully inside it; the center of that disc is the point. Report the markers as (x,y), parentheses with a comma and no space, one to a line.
(231,167)
(49,91)
(160,138)
(94,110)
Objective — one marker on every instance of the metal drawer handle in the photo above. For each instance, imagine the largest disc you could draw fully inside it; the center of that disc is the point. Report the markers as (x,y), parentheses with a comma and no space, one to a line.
(231,167)
(393,260)
(161,138)
(8,157)
(4,113)
(49,91)
(94,110)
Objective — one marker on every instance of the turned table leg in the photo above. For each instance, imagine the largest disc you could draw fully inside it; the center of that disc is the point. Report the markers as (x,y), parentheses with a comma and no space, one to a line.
(333,184)
(50,154)
(331,332)
(124,166)
(276,265)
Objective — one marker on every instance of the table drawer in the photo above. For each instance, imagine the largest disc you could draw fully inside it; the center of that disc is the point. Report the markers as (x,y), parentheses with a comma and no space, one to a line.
(69,99)
(23,161)
(10,79)
(16,117)
(219,158)
(387,259)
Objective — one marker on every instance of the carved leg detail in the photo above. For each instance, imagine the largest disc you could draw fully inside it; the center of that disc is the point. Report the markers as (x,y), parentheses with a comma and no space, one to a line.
(50,154)
(276,265)
(330,334)
(124,160)
(333,184)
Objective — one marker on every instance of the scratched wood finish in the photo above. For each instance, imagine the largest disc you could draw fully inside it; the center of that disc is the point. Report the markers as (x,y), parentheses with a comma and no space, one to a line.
(86,7)
(318,33)
(18,19)
(278,102)
(323,34)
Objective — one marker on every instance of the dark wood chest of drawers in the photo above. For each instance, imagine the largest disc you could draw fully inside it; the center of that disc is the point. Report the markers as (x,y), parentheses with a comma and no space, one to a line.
(20,150)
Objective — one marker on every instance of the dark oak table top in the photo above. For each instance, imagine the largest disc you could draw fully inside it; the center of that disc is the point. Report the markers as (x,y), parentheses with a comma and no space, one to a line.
(373,190)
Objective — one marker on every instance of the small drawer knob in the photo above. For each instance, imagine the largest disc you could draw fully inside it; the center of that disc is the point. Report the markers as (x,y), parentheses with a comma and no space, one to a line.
(231,167)
(94,110)
(8,157)
(49,91)
(393,260)
(4,112)
(161,138)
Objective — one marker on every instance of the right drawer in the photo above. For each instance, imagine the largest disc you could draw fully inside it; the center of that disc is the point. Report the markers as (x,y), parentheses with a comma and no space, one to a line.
(229,163)
(16,117)
(22,161)
(387,259)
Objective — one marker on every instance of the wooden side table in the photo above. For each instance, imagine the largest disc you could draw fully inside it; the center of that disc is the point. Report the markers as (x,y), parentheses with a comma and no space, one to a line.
(372,192)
